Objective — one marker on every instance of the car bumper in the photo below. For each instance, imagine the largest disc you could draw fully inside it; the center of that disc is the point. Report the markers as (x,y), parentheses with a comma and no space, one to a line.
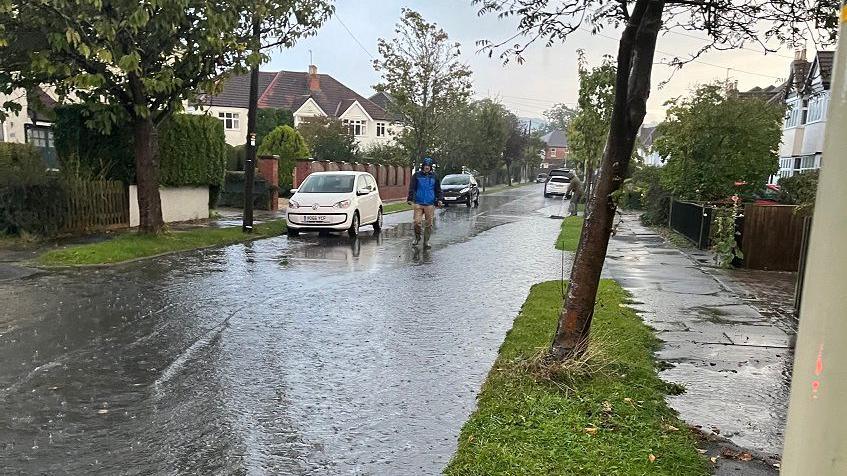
(556,192)
(456,198)
(304,220)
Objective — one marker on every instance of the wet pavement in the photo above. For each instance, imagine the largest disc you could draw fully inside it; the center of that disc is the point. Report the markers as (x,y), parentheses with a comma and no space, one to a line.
(311,355)
(733,358)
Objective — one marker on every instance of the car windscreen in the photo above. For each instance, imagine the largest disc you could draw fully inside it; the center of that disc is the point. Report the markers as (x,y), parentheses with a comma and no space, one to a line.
(456,180)
(330,183)
(560,179)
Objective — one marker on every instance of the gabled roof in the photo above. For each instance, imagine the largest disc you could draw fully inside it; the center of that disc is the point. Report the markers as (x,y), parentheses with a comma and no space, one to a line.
(555,138)
(289,90)
(382,99)
(824,60)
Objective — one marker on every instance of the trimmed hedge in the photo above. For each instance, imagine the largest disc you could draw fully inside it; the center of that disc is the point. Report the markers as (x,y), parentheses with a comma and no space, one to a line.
(289,145)
(89,152)
(192,151)
(20,164)
(38,209)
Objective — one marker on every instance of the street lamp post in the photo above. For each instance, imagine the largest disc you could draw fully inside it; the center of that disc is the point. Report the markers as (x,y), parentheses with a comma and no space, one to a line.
(816,436)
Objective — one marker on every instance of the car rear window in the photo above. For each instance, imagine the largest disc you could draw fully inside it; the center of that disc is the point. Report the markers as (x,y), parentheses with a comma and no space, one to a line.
(560,179)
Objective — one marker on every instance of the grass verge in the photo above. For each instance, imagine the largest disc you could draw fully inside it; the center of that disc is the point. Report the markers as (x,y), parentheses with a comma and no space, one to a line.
(569,234)
(395,208)
(605,415)
(130,246)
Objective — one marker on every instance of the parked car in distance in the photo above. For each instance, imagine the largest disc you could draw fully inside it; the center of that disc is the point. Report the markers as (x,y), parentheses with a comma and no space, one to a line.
(460,188)
(560,173)
(558,185)
(335,201)
(540,178)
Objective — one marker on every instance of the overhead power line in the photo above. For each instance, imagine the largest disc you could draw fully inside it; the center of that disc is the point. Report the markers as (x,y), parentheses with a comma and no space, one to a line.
(353,36)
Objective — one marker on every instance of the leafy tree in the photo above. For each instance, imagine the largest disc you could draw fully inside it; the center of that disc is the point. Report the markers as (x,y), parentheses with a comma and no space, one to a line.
(329,139)
(800,189)
(589,126)
(424,74)
(727,24)
(386,154)
(711,142)
(455,139)
(516,141)
(490,128)
(289,145)
(558,117)
(268,119)
(146,58)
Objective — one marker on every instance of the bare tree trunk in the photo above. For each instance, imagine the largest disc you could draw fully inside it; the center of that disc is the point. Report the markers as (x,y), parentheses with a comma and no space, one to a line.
(147,175)
(509,173)
(632,87)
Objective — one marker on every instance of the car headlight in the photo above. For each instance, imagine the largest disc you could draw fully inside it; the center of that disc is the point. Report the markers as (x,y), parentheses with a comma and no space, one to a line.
(342,204)
(465,190)
(292,204)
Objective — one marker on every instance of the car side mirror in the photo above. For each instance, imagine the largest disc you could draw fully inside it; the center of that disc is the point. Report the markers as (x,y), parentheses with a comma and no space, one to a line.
(293,191)
(363,191)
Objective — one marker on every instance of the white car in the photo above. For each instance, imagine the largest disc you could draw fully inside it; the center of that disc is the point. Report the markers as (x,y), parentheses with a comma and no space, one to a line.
(558,185)
(335,201)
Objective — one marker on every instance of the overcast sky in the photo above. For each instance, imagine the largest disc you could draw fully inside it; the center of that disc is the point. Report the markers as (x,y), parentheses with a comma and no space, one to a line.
(547,77)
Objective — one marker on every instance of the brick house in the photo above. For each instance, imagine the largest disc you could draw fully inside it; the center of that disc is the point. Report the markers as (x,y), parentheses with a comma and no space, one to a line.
(556,150)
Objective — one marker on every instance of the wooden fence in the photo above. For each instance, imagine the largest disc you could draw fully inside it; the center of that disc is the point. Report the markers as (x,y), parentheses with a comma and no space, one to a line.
(772,237)
(95,205)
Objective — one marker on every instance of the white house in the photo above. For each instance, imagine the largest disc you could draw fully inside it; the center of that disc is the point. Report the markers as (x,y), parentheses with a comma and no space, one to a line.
(646,136)
(31,125)
(806,93)
(306,95)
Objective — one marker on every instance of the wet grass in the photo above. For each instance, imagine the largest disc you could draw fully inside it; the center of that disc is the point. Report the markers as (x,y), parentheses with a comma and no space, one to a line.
(569,235)
(395,208)
(606,416)
(130,246)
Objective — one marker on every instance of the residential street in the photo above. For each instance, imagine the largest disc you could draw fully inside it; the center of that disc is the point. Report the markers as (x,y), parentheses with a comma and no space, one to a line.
(314,355)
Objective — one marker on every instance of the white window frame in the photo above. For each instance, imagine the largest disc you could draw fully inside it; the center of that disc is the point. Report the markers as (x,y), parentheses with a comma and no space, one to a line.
(39,136)
(357,127)
(817,108)
(794,113)
(231,120)
(380,129)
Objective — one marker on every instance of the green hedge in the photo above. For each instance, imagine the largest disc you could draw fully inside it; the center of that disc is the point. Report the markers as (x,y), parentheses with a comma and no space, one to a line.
(192,151)
(89,152)
(20,164)
(289,145)
(37,209)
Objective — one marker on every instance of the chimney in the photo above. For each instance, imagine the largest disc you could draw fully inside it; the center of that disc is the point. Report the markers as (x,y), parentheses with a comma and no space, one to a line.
(314,81)
(800,67)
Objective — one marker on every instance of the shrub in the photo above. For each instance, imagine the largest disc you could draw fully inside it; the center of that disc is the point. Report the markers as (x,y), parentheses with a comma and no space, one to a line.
(268,119)
(288,144)
(235,157)
(192,151)
(20,164)
(329,139)
(655,198)
(35,208)
(232,194)
(386,154)
(90,152)
(800,189)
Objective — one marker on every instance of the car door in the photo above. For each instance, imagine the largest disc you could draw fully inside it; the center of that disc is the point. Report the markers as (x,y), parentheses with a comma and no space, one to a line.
(374,193)
(366,201)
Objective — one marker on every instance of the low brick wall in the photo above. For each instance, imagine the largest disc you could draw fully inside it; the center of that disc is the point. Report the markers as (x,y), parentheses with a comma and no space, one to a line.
(393,180)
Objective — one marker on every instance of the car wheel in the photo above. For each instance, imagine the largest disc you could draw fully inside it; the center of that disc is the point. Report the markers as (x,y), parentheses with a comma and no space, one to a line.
(293,232)
(353,231)
(378,223)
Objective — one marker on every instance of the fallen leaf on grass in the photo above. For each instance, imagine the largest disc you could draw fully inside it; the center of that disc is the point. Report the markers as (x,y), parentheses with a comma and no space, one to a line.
(607,407)
(702,452)
(714,459)
(671,428)
(651,458)
(591,430)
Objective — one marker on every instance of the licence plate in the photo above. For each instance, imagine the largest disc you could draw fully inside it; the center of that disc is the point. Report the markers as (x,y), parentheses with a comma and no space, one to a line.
(450,198)
(314,218)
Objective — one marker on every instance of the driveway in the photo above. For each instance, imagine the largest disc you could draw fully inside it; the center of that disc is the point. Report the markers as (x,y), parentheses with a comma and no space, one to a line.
(308,355)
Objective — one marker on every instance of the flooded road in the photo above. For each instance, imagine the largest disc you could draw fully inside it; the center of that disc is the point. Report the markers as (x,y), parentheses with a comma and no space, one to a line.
(310,355)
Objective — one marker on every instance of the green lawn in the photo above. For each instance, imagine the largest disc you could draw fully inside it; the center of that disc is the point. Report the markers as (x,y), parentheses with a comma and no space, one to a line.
(131,245)
(395,207)
(569,235)
(609,420)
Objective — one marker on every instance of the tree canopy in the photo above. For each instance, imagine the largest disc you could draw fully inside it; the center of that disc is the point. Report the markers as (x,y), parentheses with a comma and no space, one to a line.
(716,146)
(422,71)
(329,139)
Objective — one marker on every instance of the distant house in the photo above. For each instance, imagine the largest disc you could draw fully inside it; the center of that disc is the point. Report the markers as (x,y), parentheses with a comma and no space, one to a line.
(646,136)
(34,124)
(556,150)
(305,94)
(806,93)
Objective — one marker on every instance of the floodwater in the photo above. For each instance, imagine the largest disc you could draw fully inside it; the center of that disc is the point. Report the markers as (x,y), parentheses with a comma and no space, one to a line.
(310,355)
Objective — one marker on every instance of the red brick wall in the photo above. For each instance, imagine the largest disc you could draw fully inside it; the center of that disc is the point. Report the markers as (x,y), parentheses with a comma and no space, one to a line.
(269,170)
(393,181)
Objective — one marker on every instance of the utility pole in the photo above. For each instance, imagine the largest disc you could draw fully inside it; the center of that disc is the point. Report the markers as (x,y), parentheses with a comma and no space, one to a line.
(817,423)
(250,149)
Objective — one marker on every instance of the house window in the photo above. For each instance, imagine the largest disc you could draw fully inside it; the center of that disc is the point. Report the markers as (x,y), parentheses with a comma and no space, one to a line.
(794,114)
(357,127)
(380,129)
(817,107)
(230,120)
(553,151)
(39,136)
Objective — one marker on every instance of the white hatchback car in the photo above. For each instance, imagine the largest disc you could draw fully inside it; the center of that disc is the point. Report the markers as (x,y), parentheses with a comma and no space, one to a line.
(336,201)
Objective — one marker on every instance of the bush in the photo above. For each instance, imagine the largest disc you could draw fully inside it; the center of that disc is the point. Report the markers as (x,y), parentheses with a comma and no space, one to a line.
(235,157)
(655,198)
(800,189)
(37,209)
(89,152)
(329,139)
(268,119)
(288,144)
(192,151)
(386,154)
(232,194)
(20,164)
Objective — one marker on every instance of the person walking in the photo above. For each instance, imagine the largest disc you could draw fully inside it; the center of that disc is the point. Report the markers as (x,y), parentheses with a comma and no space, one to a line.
(424,195)
(576,195)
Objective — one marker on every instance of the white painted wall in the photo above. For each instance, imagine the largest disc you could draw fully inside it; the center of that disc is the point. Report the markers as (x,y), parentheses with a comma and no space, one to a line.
(233,136)
(178,204)
(813,138)
(13,126)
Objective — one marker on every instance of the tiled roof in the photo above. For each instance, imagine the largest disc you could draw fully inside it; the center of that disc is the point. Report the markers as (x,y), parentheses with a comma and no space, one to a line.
(290,89)
(555,138)
(825,60)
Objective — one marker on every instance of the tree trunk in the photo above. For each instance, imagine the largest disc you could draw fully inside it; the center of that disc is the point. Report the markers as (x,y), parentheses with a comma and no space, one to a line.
(250,148)
(632,87)
(147,175)
(509,173)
